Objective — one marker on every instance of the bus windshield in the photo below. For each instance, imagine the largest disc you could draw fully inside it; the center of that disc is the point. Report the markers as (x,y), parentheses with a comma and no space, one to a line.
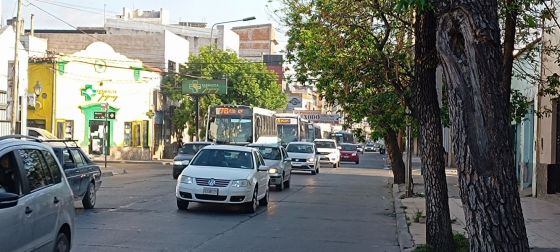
(288,133)
(224,130)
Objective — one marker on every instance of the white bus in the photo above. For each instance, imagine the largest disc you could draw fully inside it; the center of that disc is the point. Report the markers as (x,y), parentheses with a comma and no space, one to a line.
(292,128)
(239,124)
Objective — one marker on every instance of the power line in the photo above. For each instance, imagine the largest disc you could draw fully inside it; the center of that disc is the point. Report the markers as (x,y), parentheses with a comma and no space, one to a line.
(61,20)
(69,7)
(64,4)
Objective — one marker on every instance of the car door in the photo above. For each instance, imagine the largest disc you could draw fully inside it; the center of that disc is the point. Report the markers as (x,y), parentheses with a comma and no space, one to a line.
(262,176)
(71,170)
(287,165)
(44,203)
(83,170)
(17,225)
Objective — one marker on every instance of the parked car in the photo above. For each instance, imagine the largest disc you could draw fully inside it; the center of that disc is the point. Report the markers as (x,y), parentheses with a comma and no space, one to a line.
(36,201)
(84,176)
(328,151)
(184,156)
(349,153)
(40,133)
(280,167)
(303,156)
(224,174)
(381,149)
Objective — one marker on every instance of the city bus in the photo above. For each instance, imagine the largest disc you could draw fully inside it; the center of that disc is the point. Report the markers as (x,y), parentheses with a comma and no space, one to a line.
(291,128)
(239,124)
(313,132)
(343,137)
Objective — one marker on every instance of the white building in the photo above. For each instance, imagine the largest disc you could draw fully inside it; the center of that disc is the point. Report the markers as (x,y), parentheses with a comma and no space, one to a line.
(98,75)
(7,42)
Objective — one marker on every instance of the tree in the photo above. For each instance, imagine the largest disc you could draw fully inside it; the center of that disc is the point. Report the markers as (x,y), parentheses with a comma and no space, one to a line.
(249,83)
(469,46)
(358,58)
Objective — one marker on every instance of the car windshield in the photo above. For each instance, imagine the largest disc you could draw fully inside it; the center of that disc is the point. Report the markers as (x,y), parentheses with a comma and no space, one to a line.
(347,147)
(325,144)
(300,148)
(271,153)
(224,158)
(191,148)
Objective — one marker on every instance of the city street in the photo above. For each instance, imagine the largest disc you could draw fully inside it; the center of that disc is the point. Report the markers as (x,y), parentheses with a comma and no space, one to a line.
(344,209)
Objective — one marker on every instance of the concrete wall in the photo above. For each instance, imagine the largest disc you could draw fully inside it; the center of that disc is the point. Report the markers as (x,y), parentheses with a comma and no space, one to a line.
(148,47)
(546,130)
(229,40)
(256,40)
(176,49)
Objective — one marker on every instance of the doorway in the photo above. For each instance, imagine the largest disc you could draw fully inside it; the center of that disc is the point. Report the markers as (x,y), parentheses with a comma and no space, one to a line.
(96,137)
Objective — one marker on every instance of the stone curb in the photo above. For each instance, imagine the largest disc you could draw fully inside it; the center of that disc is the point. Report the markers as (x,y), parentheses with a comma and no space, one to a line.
(403,235)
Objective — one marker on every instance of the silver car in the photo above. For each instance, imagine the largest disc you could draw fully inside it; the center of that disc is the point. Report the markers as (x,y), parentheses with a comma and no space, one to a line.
(36,201)
(304,157)
(280,167)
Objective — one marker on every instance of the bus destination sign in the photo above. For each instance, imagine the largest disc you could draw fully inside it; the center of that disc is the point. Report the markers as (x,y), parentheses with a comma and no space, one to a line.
(230,111)
(285,121)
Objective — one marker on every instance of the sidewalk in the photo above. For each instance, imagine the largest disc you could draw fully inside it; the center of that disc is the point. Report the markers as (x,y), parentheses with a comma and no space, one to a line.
(100,160)
(542,217)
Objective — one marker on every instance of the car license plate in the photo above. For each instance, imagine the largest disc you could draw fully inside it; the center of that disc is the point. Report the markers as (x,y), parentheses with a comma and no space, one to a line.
(297,164)
(211,191)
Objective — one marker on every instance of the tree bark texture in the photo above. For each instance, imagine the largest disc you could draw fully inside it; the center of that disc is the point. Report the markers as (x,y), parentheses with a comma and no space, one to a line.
(395,156)
(426,109)
(468,42)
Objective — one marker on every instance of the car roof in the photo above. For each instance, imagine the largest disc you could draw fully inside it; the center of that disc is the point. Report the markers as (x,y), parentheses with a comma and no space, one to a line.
(228,147)
(264,145)
(193,143)
(324,139)
(9,141)
(304,143)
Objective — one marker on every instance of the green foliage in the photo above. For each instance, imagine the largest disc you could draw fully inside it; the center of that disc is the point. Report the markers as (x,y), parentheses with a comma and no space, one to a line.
(519,106)
(461,243)
(249,83)
(356,54)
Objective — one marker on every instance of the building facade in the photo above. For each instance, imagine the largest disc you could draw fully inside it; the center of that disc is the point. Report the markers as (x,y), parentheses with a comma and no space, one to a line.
(256,41)
(99,98)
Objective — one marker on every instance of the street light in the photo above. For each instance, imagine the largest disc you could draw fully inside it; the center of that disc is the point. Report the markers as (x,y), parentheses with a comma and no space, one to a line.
(225,22)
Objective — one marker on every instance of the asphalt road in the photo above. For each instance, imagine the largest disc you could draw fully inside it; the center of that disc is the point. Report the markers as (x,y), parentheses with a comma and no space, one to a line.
(344,209)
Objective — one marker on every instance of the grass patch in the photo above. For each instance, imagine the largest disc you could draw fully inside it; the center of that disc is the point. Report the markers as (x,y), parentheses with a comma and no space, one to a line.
(461,245)
(418,215)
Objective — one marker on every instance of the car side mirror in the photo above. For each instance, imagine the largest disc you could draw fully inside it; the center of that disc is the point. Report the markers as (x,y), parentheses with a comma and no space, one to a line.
(263,168)
(67,166)
(8,200)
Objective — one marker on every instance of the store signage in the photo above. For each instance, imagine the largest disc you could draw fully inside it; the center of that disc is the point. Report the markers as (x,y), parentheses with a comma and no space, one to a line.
(101,115)
(197,87)
(99,95)
(322,118)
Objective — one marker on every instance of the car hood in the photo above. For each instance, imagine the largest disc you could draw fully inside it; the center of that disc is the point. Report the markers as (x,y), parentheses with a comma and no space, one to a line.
(181,157)
(217,172)
(326,150)
(300,155)
(272,162)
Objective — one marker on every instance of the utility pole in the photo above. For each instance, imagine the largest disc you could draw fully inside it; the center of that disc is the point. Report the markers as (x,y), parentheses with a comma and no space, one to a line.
(197,118)
(105,107)
(15,86)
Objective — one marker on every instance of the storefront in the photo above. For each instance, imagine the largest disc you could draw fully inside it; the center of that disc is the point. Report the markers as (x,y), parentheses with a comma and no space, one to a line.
(104,98)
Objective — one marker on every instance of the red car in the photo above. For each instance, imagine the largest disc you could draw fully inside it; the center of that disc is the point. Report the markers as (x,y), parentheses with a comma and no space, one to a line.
(349,153)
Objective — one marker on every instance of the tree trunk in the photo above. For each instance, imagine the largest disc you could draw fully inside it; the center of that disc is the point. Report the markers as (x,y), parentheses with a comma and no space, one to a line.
(395,156)
(468,42)
(427,112)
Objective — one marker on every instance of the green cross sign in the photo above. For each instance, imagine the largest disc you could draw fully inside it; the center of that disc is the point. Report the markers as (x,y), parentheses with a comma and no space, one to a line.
(204,87)
(88,92)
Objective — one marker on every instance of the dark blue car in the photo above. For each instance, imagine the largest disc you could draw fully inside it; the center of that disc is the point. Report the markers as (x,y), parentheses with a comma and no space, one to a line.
(83,175)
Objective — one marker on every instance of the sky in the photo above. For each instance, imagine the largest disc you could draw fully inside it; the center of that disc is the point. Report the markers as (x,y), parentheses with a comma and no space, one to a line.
(89,13)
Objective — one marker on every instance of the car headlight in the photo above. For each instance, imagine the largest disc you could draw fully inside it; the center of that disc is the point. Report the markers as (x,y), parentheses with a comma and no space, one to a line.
(353,154)
(186,180)
(310,159)
(240,183)
(177,162)
(272,170)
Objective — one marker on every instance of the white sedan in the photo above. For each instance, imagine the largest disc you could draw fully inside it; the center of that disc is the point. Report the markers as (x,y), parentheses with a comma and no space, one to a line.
(224,174)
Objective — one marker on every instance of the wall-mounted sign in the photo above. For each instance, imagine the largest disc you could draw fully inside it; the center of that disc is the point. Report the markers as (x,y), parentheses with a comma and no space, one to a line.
(294,101)
(322,118)
(194,87)
(101,115)
(101,95)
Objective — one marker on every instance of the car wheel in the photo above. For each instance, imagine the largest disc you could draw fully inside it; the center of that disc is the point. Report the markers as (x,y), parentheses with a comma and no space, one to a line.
(91,195)
(314,172)
(358,162)
(280,187)
(62,243)
(287,183)
(175,176)
(182,204)
(251,207)
(264,200)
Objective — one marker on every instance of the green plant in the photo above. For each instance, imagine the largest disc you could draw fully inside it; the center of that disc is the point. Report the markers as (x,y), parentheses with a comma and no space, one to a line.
(461,243)
(418,215)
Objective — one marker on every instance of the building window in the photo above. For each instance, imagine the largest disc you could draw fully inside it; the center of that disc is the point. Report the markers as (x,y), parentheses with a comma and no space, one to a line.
(37,123)
(171,66)
(127,134)
(65,129)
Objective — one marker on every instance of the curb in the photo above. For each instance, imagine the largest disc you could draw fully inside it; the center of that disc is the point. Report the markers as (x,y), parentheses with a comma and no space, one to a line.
(403,235)
(107,174)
